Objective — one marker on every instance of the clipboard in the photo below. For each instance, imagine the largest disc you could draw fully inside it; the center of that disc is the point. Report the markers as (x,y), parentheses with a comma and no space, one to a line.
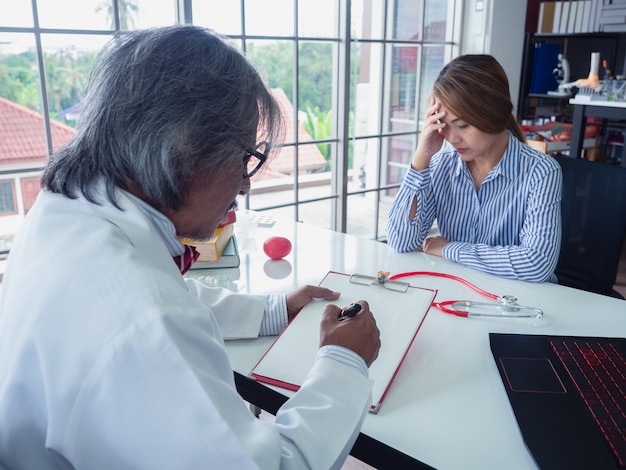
(399,314)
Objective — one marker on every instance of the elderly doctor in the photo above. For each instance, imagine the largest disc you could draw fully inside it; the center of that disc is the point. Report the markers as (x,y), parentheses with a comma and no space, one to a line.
(109,358)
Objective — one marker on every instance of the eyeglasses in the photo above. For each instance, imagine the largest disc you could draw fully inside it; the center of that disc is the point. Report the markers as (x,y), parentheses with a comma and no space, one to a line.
(254,159)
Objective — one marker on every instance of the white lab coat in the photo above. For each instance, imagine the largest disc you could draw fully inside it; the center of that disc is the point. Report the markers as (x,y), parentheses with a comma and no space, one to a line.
(109,359)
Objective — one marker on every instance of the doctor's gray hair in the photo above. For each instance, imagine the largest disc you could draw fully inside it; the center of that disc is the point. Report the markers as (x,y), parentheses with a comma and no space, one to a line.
(160,105)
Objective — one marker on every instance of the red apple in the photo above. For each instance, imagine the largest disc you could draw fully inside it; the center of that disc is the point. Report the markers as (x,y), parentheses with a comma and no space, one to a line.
(277,247)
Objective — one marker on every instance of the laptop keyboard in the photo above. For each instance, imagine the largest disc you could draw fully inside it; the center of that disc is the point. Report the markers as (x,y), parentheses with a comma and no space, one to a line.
(599,371)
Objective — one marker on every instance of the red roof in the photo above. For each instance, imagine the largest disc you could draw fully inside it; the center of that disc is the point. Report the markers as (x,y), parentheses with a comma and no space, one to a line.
(23,143)
(22,137)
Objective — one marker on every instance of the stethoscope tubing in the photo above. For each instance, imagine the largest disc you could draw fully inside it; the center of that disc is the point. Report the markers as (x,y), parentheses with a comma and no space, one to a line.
(444,305)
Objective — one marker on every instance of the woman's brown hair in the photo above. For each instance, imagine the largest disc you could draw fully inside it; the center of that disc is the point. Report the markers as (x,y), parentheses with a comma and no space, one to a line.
(475,87)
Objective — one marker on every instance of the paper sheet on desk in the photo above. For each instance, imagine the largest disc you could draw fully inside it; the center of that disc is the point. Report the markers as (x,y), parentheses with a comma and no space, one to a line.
(399,316)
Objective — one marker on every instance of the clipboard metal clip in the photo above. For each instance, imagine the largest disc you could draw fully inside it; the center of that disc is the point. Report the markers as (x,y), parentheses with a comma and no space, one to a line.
(381,279)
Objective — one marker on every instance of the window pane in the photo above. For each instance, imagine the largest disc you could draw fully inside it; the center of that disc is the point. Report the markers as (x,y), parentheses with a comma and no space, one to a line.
(315,80)
(384,204)
(312,159)
(362,215)
(398,151)
(318,18)
(407,20)
(274,183)
(316,180)
(274,61)
(19,72)
(270,189)
(317,213)
(435,20)
(368,19)
(365,158)
(19,14)
(8,205)
(265,18)
(365,85)
(99,14)
(30,188)
(222,16)
(67,67)
(433,60)
(22,135)
(403,88)
(147,13)
(85,14)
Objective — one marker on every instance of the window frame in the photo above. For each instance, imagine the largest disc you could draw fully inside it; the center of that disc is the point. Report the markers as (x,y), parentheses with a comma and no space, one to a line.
(341,141)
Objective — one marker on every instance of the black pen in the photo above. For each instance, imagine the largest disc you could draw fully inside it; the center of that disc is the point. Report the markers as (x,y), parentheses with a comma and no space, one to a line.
(350,311)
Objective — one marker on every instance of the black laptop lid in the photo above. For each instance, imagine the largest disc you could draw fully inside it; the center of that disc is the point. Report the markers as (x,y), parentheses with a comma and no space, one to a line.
(557,427)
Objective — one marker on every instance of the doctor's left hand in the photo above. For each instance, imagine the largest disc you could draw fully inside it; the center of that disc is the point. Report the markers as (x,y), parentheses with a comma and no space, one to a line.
(302,296)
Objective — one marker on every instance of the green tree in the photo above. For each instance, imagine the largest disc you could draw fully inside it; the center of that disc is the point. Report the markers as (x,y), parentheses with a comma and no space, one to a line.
(315,75)
(275,63)
(19,80)
(66,77)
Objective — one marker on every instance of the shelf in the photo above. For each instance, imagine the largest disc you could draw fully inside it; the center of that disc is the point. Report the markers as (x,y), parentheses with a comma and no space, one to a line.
(577,48)
(548,147)
(551,97)
(590,35)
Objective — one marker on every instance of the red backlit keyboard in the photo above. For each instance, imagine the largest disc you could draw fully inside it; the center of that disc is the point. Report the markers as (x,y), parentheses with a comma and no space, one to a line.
(598,370)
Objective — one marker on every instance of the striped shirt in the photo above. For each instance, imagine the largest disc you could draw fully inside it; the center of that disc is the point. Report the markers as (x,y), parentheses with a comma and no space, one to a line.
(510,227)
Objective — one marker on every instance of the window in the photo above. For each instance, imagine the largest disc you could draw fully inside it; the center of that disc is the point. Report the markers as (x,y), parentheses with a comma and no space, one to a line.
(30,188)
(8,205)
(352,76)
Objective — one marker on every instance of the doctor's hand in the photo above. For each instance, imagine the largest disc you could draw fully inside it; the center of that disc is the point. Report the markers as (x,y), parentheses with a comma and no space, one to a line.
(434,245)
(302,296)
(431,137)
(358,333)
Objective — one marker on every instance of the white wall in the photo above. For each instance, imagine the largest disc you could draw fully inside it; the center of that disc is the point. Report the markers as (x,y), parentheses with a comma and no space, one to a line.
(497,29)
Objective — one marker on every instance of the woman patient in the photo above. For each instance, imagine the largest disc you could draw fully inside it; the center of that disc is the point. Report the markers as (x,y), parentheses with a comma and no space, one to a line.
(496,200)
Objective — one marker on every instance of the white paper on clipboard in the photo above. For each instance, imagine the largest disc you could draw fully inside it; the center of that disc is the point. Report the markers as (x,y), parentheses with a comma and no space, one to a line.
(399,315)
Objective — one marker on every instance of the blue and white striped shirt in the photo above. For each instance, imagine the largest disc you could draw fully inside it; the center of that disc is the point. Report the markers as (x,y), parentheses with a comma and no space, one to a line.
(510,227)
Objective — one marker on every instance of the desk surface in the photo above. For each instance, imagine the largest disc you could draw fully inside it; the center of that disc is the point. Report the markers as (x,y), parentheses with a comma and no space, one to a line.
(601,103)
(447,406)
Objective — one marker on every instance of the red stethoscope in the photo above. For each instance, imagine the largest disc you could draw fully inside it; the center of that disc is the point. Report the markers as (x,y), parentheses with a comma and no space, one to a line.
(504,307)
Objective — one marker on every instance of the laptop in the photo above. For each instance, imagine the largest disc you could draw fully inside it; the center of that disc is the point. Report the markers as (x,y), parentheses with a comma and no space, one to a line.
(568,395)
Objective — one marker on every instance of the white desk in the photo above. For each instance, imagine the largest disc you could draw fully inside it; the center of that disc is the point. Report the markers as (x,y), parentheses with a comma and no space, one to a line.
(447,406)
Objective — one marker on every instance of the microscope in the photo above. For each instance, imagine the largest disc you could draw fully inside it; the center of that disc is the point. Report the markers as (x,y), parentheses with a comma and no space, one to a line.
(561,73)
